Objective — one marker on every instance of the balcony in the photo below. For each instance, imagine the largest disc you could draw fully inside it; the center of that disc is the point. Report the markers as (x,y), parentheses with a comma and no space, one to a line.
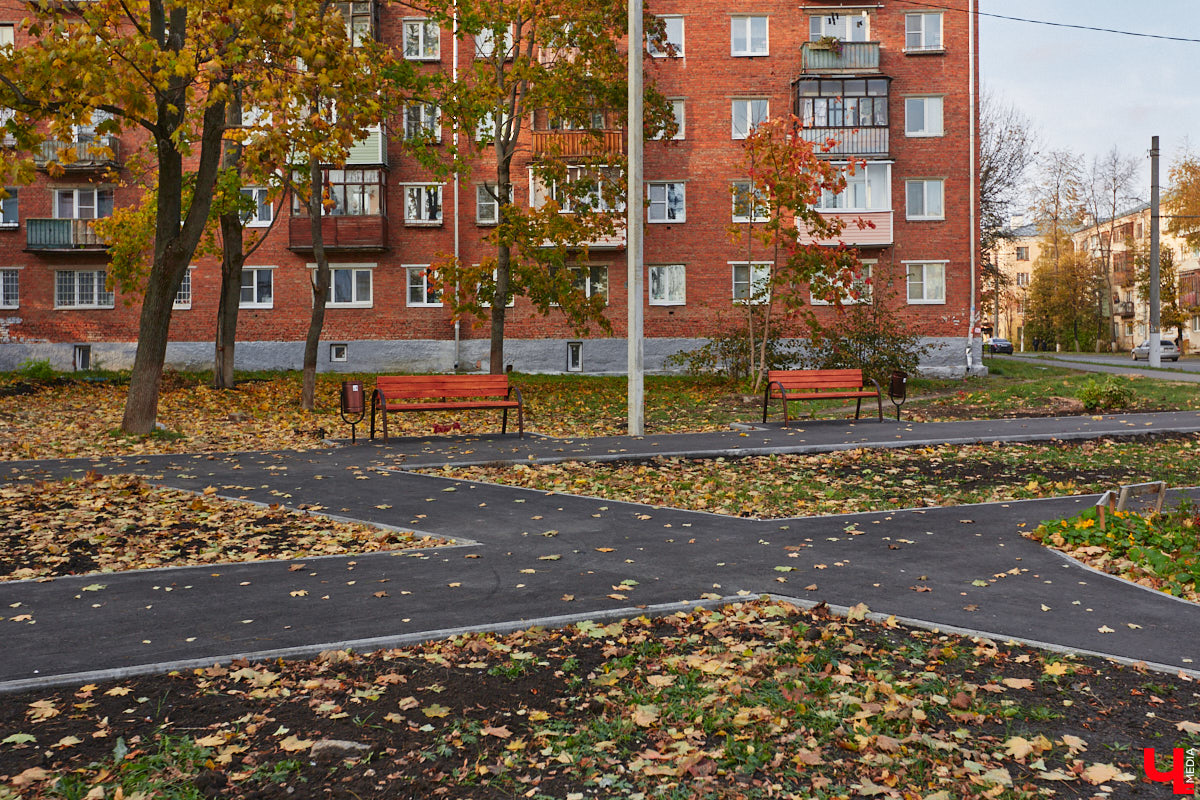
(103,152)
(848,141)
(1123,309)
(64,235)
(578,144)
(850,57)
(341,233)
(876,230)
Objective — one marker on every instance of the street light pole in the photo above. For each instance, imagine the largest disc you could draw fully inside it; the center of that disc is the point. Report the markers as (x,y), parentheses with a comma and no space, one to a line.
(633,225)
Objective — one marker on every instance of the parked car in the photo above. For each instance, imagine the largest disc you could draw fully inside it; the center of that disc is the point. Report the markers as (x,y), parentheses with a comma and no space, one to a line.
(1167,351)
(998,345)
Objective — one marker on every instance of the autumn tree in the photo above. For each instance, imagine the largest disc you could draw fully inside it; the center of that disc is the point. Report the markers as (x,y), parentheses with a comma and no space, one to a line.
(1064,295)
(1182,199)
(1108,185)
(1171,312)
(787,179)
(553,65)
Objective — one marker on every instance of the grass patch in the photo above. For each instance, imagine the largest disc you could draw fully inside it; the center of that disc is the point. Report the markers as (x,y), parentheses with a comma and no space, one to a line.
(1161,551)
(862,480)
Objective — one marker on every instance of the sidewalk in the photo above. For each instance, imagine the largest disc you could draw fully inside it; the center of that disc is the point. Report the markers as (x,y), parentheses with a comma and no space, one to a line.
(84,628)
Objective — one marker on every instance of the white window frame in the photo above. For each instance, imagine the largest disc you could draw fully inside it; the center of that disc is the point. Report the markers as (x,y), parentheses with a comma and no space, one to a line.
(512,298)
(422,192)
(485,42)
(1023,278)
(930,189)
(668,20)
(485,197)
(100,298)
(863,285)
(574,356)
(94,193)
(417,276)
(355,270)
(256,301)
(933,114)
(746,189)
(846,27)
(8,35)
(589,282)
(183,297)
(939,268)
(13,202)
(1196,324)
(865,182)
(662,205)
(747,105)
(666,278)
(429,46)
(429,124)
(339,352)
(679,110)
(923,32)
(261,196)
(758,273)
(746,22)
(10,287)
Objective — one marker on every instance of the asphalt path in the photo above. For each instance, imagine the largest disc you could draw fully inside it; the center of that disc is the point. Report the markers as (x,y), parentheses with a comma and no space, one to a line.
(1186,369)
(528,557)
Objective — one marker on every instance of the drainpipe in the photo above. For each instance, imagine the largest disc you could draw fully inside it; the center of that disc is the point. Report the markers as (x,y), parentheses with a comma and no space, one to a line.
(974,178)
(457,321)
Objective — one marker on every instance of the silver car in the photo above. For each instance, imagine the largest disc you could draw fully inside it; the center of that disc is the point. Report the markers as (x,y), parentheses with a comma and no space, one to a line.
(1167,351)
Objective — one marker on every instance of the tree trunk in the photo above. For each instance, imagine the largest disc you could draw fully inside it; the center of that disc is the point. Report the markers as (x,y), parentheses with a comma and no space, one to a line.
(320,285)
(141,403)
(505,147)
(232,259)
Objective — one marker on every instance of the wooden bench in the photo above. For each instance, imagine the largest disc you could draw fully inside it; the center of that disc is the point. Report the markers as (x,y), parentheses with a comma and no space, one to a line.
(397,393)
(819,384)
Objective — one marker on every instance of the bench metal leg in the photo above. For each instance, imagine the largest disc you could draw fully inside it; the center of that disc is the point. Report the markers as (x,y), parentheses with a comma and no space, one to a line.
(504,421)
(857,406)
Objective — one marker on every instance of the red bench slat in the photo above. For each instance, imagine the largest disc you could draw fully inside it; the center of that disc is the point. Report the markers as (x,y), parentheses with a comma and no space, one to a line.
(405,393)
(818,384)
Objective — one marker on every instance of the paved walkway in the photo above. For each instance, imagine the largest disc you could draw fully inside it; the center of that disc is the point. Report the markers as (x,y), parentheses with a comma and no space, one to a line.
(1186,370)
(527,556)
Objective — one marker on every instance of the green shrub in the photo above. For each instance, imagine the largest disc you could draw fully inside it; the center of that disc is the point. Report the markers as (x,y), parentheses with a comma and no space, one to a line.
(869,336)
(727,352)
(38,369)
(1110,394)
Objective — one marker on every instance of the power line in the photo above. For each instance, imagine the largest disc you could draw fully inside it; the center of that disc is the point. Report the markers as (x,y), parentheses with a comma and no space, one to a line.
(1054,24)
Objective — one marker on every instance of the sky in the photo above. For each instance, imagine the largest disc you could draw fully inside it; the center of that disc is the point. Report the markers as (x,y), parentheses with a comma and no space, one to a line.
(1088,91)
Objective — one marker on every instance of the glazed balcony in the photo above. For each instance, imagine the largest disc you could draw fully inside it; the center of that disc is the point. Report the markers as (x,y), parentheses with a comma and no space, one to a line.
(578,144)
(103,152)
(849,57)
(876,229)
(1123,309)
(62,235)
(366,233)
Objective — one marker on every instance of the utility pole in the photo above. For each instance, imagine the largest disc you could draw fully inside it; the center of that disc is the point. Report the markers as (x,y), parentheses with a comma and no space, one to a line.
(633,226)
(1155,359)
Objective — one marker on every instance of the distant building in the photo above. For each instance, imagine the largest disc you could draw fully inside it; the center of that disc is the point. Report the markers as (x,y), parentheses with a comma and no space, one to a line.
(1014,257)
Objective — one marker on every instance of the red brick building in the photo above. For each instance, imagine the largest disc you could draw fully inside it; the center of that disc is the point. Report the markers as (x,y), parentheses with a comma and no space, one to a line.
(897,88)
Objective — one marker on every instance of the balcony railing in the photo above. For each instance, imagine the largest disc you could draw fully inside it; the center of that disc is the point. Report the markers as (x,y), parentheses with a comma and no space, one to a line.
(62,234)
(103,151)
(361,233)
(577,144)
(1123,309)
(848,57)
(860,229)
(848,141)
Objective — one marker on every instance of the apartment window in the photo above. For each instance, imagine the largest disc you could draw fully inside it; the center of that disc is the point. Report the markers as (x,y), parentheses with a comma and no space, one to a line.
(677,110)
(10,285)
(673,30)
(668,285)
(922,31)
(7,39)
(512,300)
(422,121)
(347,192)
(751,281)
(339,352)
(867,189)
(748,36)
(183,297)
(81,357)
(487,204)
(859,290)
(421,40)
(1196,324)
(574,356)
(926,282)
(844,102)
(83,203)
(257,287)
(263,211)
(666,202)
(923,116)
(6,138)
(591,187)
(925,199)
(743,209)
(485,42)
(349,287)
(747,114)
(1023,278)
(9,216)
(423,205)
(422,286)
(1022,254)
(81,288)
(357,17)
(846,27)
(591,280)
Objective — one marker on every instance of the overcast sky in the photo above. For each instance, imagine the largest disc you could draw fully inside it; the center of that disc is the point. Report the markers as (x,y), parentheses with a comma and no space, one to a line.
(1087,91)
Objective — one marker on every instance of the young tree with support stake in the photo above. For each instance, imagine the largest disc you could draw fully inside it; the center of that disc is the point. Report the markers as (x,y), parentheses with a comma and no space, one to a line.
(551,63)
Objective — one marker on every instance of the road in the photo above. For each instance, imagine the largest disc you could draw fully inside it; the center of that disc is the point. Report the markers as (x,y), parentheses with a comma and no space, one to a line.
(1186,369)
